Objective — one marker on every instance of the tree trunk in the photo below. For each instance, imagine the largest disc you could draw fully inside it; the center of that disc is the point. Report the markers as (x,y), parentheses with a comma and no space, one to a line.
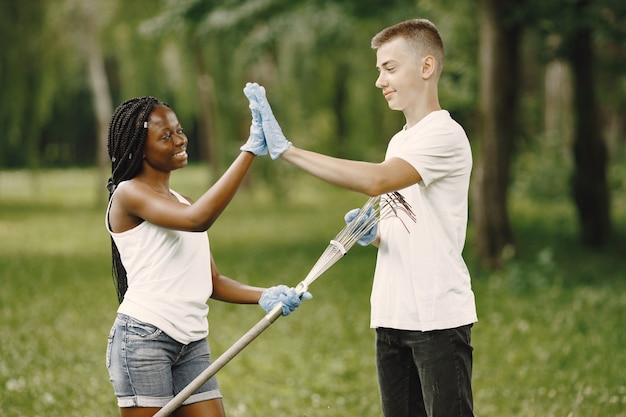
(102,102)
(498,99)
(590,187)
(208,145)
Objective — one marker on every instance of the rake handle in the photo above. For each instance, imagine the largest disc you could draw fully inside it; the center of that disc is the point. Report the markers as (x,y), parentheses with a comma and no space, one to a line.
(220,362)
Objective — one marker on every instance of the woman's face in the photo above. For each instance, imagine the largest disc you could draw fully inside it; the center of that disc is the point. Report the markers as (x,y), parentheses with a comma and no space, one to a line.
(166,144)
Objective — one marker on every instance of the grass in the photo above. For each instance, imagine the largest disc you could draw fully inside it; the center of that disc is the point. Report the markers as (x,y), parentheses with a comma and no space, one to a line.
(549,342)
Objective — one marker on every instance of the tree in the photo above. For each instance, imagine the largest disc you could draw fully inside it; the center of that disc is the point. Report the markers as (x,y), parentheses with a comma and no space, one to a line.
(27,81)
(577,27)
(91,18)
(499,40)
(590,187)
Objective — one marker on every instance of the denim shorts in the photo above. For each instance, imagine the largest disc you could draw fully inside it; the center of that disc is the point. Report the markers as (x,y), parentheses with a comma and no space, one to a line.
(148,368)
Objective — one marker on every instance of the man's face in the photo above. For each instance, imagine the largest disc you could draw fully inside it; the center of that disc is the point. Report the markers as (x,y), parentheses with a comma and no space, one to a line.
(399,74)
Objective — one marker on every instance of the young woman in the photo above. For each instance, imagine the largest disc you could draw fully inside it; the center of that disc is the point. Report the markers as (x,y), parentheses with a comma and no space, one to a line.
(162,262)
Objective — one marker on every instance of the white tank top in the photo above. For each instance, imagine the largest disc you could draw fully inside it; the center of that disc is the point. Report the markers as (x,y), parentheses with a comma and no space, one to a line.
(169,277)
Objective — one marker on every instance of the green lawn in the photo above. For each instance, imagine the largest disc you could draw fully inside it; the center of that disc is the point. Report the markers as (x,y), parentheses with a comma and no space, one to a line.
(549,341)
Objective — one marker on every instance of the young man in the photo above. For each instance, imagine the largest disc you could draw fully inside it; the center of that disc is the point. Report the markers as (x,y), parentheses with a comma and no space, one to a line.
(422,304)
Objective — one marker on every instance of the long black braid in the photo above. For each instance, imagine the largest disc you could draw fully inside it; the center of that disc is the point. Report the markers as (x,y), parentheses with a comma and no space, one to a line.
(127,136)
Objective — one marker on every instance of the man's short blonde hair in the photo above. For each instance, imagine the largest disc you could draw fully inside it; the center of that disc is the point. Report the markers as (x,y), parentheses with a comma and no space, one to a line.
(421,34)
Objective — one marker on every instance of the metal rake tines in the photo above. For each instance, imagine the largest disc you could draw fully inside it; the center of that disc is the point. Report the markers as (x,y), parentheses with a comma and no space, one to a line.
(360,225)
(333,252)
(392,204)
(382,207)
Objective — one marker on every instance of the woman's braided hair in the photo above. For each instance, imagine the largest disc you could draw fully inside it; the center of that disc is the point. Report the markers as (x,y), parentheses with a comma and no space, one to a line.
(127,136)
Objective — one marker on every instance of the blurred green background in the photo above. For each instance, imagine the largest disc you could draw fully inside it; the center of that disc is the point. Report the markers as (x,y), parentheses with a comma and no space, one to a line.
(549,339)
(551,293)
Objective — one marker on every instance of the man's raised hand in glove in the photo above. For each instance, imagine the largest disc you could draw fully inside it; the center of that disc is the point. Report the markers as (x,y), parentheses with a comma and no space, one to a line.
(274,137)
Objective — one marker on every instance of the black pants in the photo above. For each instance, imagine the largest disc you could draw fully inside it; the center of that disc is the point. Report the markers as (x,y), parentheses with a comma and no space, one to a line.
(425,374)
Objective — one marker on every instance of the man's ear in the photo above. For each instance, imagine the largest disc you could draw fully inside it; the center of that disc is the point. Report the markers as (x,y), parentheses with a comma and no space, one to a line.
(429,66)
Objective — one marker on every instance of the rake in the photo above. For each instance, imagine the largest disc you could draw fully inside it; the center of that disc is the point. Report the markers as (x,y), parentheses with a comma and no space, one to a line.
(374,211)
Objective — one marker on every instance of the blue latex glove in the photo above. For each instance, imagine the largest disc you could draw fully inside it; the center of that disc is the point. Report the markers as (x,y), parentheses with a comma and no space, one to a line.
(282,294)
(370,236)
(274,137)
(256,140)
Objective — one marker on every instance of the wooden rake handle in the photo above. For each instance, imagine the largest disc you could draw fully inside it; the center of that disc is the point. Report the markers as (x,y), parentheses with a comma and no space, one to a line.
(220,362)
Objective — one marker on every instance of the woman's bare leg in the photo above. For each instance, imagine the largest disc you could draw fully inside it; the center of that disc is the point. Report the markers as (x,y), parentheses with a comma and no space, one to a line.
(138,411)
(210,408)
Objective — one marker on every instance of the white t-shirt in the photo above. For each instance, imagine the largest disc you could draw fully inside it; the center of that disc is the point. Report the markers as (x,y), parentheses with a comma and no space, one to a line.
(421,281)
(169,278)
